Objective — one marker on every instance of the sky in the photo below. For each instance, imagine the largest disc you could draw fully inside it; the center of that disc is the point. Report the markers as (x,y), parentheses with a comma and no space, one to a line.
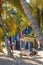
(27,0)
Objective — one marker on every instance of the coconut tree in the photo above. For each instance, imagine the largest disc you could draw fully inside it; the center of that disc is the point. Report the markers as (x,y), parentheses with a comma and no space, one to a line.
(33,21)
(11,23)
(24,7)
(36,8)
(4,29)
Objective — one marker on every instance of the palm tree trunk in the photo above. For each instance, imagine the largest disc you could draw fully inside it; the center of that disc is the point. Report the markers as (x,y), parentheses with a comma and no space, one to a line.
(1,48)
(4,29)
(33,21)
(7,45)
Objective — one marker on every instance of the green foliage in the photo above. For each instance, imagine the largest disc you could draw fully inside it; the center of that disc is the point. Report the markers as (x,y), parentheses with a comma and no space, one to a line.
(17,22)
(37,11)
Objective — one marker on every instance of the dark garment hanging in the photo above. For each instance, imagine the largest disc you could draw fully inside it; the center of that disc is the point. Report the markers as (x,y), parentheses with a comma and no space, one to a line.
(26,45)
(17,45)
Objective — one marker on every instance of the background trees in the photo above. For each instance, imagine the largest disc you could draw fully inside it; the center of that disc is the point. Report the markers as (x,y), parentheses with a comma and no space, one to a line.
(17,15)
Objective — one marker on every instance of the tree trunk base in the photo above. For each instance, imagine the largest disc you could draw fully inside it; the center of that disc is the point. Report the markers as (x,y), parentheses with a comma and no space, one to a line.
(1,48)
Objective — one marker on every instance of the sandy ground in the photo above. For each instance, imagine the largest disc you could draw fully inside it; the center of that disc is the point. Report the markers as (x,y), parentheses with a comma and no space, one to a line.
(35,60)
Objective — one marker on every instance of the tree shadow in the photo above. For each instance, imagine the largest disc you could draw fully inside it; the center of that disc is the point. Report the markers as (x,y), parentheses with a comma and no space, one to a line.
(19,61)
(36,60)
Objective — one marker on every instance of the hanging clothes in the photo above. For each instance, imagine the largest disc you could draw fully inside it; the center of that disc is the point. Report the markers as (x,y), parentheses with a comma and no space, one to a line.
(26,45)
(18,45)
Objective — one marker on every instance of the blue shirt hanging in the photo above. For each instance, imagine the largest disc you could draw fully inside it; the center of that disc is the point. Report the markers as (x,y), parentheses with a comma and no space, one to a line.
(17,37)
(28,30)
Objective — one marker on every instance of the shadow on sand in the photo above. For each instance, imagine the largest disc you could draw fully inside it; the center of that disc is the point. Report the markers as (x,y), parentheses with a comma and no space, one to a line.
(24,61)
